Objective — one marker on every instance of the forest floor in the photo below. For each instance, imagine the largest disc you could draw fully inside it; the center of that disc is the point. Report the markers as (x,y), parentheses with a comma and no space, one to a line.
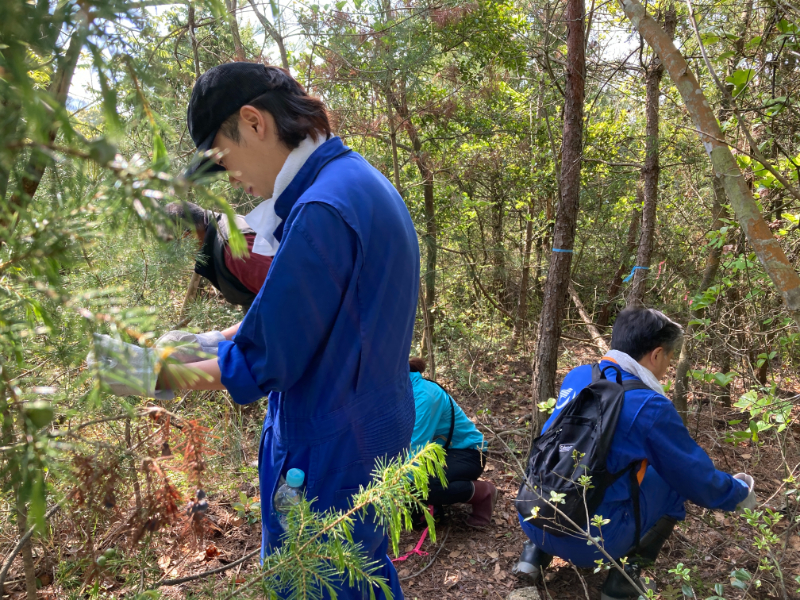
(466,563)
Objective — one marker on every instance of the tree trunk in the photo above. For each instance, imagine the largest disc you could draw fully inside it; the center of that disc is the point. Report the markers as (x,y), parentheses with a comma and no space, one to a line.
(430,238)
(650,171)
(710,272)
(193,39)
(558,274)
(522,302)
(237,40)
(766,247)
(594,333)
(59,89)
(28,566)
(622,269)
(393,141)
(272,32)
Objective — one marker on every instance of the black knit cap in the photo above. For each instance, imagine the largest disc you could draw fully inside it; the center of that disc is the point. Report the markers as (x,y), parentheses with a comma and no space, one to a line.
(220,92)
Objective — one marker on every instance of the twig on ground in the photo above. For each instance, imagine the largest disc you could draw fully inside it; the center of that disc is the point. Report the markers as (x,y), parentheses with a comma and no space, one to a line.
(188,578)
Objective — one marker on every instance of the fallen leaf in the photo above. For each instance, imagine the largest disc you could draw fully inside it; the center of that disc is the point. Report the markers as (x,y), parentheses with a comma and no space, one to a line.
(212,552)
(493,555)
(496,568)
(509,554)
(746,456)
(403,572)
(451,580)
(455,554)
(164,562)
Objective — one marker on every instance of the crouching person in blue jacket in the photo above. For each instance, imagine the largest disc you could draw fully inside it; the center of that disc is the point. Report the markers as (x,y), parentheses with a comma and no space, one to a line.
(649,431)
(440,420)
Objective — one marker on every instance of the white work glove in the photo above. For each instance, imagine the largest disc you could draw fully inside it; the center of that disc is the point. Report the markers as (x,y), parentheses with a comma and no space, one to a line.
(127,369)
(191,347)
(750,501)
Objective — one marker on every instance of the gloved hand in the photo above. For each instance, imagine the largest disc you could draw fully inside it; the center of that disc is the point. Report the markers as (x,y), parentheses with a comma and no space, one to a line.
(748,482)
(126,368)
(191,347)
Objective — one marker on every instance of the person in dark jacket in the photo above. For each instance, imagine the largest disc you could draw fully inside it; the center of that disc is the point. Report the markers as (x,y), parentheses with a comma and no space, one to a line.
(329,333)
(439,419)
(673,468)
(237,279)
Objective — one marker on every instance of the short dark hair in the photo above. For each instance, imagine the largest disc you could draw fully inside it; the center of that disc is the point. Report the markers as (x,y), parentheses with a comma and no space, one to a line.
(186,214)
(639,330)
(416,364)
(297,115)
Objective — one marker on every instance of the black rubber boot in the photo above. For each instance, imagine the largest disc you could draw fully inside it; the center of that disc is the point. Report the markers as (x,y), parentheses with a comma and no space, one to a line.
(532,562)
(617,586)
(653,541)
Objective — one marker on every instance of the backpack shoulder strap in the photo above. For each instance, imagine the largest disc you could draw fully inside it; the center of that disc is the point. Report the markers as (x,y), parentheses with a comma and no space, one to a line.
(635,384)
(452,422)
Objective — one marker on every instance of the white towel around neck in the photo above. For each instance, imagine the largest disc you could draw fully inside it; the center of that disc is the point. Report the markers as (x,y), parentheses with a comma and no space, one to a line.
(626,363)
(262,219)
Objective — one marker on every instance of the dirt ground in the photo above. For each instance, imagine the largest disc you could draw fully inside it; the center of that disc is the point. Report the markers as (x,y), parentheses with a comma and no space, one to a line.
(467,563)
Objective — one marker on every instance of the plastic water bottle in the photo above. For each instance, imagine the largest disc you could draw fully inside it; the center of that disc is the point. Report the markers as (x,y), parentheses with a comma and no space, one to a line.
(288,495)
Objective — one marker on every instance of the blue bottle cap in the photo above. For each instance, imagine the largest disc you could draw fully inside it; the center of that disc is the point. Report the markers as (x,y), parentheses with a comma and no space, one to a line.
(295,478)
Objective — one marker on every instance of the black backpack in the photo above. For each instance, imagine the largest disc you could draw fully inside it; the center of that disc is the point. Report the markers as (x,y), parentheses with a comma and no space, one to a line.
(576,444)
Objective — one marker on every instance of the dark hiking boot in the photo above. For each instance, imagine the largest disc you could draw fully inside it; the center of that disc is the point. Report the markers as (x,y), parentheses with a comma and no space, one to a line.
(531,564)
(617,586)
(653,541)
(483,500)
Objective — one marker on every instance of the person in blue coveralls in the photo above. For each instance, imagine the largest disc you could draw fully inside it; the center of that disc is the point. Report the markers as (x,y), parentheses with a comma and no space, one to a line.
(674,468)
(440,419)
(329,333)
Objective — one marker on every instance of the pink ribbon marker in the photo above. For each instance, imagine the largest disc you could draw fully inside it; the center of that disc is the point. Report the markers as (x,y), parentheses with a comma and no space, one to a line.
(417,548)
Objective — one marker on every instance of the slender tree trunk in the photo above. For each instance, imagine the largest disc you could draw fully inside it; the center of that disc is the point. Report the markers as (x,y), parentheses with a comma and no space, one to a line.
(498,251)
(650,171)
(522,302)
(558,275)
(709,273)
(622,269)
(430,238)
(237,40)
(393,141)
(193,39)
(272,32)
(7,438)
(766,247)
(594,333)
(59,89)
(28,566)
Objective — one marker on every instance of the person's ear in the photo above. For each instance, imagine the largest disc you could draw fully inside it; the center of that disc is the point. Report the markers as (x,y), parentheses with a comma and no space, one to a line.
(656,355)
(253,119)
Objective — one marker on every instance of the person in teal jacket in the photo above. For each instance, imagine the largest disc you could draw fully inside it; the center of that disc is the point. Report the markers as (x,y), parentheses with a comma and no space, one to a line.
(439,419)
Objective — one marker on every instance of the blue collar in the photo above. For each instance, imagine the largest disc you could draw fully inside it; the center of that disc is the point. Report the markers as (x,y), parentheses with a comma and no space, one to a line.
(330,150)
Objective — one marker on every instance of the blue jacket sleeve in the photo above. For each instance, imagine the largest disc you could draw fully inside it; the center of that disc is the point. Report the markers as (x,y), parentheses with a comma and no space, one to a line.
(295,310)
(685,466)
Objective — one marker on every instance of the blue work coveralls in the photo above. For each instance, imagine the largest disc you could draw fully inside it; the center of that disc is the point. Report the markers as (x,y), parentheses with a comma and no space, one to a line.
(649,428)
(328,338)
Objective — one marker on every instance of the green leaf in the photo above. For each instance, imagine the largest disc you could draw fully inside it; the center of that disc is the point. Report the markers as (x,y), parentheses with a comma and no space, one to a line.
(160,155)
(740,76)
(753,43)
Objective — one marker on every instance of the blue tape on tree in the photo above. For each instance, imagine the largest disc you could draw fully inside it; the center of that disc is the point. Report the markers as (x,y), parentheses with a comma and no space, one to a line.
(562,250)
(633,270)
